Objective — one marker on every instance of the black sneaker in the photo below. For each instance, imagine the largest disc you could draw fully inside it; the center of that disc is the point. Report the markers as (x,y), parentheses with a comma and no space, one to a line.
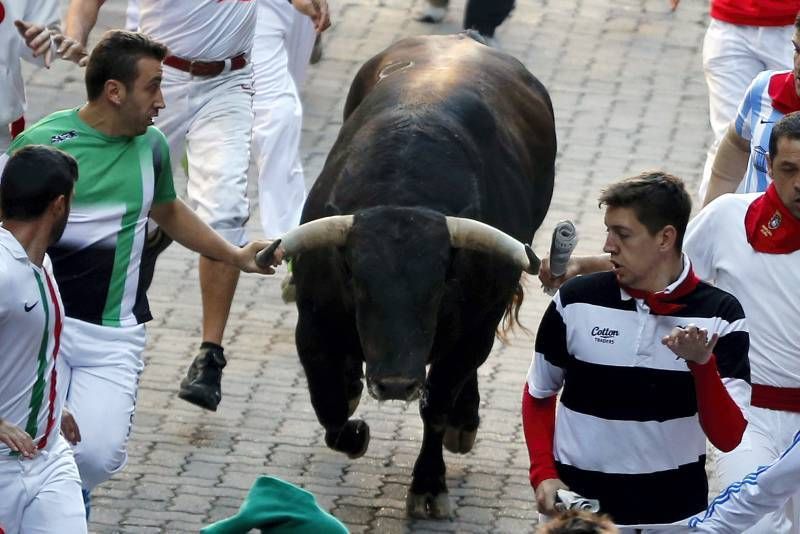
(202,383)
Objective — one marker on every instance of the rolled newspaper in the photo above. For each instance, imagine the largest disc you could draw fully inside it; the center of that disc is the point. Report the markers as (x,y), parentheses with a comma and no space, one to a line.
(569,500)
(565,239)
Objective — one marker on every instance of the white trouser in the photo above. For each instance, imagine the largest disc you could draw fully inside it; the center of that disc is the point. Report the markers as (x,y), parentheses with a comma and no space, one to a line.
(210,118)
(103,364)
(42,495)
(768,434)
(732,56)
(279,114)
(5,139)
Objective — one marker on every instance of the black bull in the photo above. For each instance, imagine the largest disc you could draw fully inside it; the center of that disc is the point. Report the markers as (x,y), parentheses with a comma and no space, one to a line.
(434,127)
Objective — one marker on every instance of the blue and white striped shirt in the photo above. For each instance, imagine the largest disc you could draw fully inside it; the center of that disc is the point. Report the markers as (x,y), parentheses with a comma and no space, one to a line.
(754,122)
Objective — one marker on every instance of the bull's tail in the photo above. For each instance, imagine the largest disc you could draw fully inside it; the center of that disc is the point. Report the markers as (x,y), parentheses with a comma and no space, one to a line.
(510,321)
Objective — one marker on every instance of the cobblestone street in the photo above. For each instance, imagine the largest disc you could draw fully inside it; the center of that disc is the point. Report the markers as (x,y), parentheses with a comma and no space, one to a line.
(626,81)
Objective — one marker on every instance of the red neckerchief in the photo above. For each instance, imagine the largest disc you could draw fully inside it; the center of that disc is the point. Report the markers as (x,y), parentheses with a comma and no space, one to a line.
(660,302)
(783,93)
(770,227)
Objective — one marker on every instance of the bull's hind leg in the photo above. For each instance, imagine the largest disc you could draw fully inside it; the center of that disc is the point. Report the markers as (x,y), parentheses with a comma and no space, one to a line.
(463,418)
(330,383)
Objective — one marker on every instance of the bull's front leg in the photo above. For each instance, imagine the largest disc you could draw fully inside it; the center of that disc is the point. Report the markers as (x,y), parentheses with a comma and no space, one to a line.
(428,496)
(450,379)
(333,385)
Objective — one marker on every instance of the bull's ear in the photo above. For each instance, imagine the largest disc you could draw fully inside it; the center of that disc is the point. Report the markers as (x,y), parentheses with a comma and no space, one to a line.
(331,209)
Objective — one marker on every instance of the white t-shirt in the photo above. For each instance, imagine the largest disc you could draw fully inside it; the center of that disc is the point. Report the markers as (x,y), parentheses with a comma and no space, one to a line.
(205,30)
(31,316)
(12,48)
(766,285)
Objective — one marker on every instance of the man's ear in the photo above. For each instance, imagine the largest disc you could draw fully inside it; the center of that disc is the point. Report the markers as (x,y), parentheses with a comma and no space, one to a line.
(59,205)
(769,167)
(114,91)
(669,235)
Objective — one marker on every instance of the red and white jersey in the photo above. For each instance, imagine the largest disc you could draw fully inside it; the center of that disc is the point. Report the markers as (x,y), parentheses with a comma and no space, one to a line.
(31,317)
(12,48)
(756,12)
(207,30)
(766,285)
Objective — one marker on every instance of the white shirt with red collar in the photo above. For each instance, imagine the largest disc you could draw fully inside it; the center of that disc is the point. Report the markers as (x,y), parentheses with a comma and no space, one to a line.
(766,285)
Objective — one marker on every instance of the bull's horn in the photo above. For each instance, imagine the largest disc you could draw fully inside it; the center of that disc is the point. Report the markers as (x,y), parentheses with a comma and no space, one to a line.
(475,235)
(326,232)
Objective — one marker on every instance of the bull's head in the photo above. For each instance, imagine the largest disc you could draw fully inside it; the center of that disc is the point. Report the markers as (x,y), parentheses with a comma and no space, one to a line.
(398,260)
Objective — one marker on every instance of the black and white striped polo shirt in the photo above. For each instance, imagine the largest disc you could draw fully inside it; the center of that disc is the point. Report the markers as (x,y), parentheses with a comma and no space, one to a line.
(627,429)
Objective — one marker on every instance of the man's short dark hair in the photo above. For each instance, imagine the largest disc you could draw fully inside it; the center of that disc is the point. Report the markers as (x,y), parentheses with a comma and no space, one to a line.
(33,177)
(658,199)
(578,522)
(789,127)
(115,58)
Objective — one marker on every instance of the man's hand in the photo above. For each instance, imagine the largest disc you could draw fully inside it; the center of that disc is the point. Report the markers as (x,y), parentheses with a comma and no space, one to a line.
(317,11)
(37,38)
(546,496)
(246,257)
(69,428)
(554,282)
(70,49)
(673,4)
(691,343)
(17,439)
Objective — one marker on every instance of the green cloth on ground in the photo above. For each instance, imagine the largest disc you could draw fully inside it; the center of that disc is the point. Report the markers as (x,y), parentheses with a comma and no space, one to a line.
(276,506)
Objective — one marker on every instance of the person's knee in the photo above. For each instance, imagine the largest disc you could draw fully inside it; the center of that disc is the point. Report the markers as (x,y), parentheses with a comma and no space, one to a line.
(98,460)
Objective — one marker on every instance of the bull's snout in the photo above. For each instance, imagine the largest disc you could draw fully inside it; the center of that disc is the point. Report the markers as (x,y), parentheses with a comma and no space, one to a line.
(395,388)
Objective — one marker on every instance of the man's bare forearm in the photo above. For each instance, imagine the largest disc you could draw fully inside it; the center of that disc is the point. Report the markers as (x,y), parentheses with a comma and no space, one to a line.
(185,227)
(730,165)
(594,264)
(81,18)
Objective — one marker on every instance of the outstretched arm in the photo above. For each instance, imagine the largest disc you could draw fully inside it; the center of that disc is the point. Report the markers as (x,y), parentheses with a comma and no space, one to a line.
(576,265)
(185,227)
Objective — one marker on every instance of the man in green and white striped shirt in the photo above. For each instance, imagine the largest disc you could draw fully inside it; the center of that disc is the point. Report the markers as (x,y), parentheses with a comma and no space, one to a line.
(125,175)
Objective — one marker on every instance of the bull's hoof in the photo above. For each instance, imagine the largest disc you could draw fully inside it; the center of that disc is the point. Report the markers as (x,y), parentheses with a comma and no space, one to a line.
(459,440)
(352,439)
(432,15)
(428,506)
